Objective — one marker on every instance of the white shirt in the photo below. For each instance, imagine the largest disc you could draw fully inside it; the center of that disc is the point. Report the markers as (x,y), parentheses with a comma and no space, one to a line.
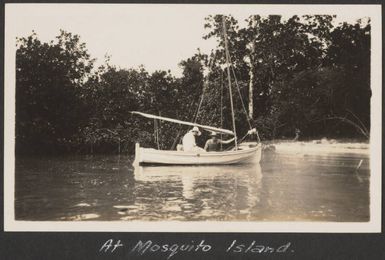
(189,142)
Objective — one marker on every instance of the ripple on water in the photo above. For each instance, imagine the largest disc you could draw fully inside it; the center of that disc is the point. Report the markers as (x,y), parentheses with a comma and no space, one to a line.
(81,217)
(83,204)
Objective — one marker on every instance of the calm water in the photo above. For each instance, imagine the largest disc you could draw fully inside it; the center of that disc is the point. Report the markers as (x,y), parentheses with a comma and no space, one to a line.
(285,187)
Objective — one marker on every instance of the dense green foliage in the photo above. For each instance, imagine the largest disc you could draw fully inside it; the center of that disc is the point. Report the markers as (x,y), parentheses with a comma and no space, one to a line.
(304,74)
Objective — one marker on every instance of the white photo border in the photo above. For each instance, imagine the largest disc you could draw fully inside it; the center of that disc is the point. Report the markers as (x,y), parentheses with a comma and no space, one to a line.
(372,226)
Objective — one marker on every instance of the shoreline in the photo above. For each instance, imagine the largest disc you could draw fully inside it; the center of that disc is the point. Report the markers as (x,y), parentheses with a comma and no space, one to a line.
(321,147)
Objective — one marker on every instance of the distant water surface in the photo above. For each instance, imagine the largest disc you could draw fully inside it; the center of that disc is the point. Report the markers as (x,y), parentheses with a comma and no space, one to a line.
(286,186)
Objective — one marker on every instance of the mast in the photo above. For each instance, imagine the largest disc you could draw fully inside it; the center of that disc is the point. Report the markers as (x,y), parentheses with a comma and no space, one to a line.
(229,80)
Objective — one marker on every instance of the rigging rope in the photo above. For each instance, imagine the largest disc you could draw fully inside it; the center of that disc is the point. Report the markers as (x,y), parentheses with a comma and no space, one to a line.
(239,141)
(243,104)
(221,107)
(239,92)
(244,109)
(156,133)
(229,80)
(199,106)
(203,90)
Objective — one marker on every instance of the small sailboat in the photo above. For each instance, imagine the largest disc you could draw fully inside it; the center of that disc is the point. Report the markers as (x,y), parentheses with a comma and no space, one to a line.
(244,152)
(169,157)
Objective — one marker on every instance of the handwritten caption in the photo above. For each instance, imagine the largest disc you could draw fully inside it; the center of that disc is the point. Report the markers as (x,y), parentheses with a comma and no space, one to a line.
(140,248)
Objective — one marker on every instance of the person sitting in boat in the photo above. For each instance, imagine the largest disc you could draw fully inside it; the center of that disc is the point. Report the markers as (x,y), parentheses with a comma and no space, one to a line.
(189,142)
(214,144)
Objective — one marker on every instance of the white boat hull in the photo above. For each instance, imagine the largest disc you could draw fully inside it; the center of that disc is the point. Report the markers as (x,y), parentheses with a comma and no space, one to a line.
(246,154)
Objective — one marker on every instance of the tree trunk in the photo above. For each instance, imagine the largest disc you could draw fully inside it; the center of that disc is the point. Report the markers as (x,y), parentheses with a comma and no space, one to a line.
(251,74)
(251,84)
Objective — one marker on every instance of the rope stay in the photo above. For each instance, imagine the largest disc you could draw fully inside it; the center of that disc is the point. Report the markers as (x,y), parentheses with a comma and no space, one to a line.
(239,92)
(229,81)
(244,109)
(230,70)
(156,133)
(228,58)
(205,86)
(221,108)
(240,96)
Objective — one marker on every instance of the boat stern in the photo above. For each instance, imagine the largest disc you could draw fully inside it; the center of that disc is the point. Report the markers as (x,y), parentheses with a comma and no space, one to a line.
(138,156)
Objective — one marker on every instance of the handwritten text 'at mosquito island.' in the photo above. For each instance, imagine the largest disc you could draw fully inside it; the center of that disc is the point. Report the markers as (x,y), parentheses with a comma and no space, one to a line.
(168,250)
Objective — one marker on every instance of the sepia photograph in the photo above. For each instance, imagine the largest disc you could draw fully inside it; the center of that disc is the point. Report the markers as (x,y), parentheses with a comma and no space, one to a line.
(223,118)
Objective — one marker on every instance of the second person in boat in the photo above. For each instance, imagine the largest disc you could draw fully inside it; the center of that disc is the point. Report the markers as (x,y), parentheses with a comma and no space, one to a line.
(214,144)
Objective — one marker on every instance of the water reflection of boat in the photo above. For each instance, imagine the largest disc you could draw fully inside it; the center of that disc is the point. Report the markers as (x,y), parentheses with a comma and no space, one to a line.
(150,173)
(191,176)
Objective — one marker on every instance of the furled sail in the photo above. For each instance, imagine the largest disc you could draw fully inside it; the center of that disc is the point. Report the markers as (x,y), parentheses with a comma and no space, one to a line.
(209,128)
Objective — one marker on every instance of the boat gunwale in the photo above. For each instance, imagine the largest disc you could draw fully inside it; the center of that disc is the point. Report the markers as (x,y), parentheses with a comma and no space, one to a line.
(248,158)
(201,154)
